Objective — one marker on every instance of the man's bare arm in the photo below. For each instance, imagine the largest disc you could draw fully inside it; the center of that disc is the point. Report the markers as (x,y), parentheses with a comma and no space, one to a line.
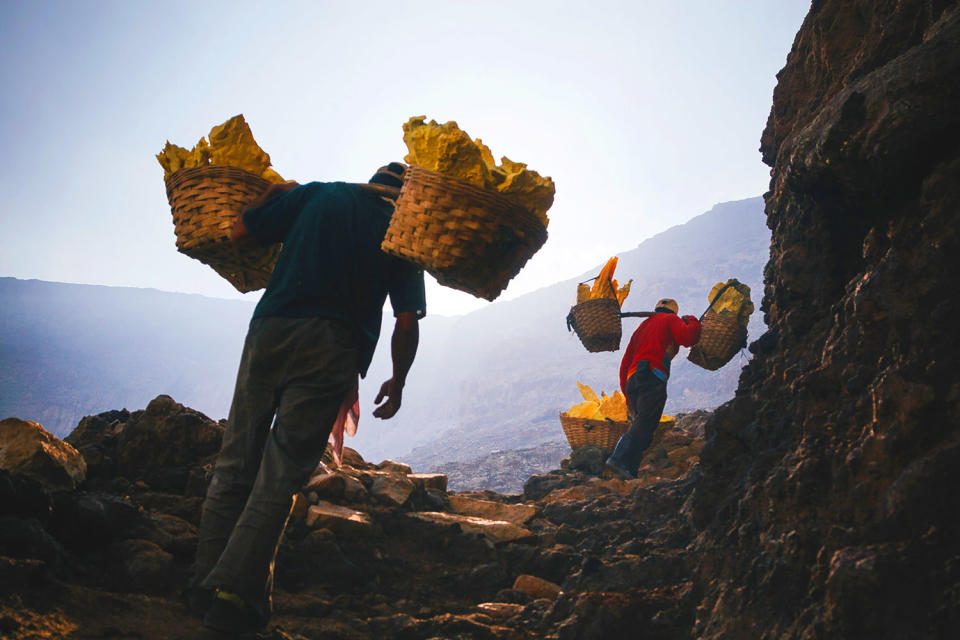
(239,234)
(403,348)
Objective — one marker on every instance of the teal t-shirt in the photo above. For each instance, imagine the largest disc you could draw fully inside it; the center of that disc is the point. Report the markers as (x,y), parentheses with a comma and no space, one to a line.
(331,264)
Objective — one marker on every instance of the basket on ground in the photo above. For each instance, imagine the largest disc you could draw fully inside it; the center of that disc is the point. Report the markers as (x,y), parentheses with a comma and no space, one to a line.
(583,432)
(597,324)
(205,202)
(469,238)
(721,337)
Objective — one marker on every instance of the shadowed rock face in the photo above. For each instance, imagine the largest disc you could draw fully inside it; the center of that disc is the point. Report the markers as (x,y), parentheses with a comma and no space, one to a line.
(831,484)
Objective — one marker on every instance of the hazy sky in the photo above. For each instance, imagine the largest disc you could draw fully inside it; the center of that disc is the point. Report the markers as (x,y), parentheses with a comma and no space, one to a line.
(644,113)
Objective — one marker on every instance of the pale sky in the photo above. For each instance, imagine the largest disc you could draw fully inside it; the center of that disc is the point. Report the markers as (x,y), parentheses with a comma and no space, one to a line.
(644,113)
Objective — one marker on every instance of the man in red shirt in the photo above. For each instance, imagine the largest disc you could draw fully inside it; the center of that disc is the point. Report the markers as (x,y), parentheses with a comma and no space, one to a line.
(643,378)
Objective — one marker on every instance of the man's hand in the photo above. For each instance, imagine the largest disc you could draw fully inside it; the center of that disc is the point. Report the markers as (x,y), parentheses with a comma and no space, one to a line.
(392,390)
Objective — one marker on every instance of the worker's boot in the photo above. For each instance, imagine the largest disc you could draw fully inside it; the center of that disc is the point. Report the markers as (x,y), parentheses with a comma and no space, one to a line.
(230,617)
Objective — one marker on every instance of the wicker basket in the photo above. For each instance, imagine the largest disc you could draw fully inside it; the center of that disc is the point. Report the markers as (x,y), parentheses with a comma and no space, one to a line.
(583,432)
(205,202)
(721,337)
(467,237)
(597,324)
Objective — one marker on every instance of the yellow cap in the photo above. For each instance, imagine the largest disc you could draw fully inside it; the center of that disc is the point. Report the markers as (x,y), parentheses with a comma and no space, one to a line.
(667,303)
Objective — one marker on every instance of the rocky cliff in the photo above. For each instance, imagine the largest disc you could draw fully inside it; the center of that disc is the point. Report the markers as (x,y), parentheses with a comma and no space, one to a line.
(829,505)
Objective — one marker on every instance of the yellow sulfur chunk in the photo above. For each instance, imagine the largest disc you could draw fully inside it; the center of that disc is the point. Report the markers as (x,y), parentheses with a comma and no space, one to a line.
(603,286)
(583,293)
(232,143)
(172,158)
(587,409)
(614,407)
(200,156)
(447,149)
(527,188)
(623,292)
(272,176)
(588,393)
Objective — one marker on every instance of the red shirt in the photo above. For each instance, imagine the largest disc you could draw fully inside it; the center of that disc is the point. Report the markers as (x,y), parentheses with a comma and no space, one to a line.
(655,341)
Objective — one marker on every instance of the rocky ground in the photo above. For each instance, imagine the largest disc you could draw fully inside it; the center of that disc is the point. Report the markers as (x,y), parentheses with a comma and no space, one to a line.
(97,535)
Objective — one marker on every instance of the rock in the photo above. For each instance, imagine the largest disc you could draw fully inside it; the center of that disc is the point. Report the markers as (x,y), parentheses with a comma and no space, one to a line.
(23,496)
(26,448)
(496,531)
(426,481)
(589,460)
(161,444)
(537,486)
(536,587)
(86,521)
(143,567)
(394,467)
(354,491)
(339,520)
(500,610)
(391,488)
(300,506)
(26,538)
(327,486)
(20,573)
(350,458)
(490,510)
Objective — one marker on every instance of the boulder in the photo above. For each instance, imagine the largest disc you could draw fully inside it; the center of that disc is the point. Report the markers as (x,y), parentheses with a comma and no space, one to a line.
(490,510)
(536,587)
(494,530)
(339,520)
(300,506)
(500,610)
(143,567)
(391,488)
(327,486)
(589,460)
(394,467)
(426,481)
(161,444)
(26,448)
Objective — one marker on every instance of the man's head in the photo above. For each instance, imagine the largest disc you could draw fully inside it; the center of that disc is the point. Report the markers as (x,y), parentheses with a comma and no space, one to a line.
(666,305)
(390,175)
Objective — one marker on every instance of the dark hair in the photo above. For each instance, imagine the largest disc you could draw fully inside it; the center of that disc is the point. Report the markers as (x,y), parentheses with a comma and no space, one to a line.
(390,175)
(663,310)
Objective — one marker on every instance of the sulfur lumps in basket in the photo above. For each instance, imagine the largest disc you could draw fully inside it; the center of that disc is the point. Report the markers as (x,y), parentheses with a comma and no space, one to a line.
(605,286)
(447,149)
(613,407)
(231,144)
(734,301)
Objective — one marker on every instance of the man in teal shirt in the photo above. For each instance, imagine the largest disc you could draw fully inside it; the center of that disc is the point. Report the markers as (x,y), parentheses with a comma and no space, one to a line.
(314,329)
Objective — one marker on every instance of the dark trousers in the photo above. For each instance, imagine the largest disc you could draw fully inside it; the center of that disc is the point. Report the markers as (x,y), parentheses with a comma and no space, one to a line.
(294,374)
(646,396)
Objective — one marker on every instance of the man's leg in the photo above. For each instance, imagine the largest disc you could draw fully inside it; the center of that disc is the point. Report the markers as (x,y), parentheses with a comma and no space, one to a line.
(251,412)
(323,365)
(647,396)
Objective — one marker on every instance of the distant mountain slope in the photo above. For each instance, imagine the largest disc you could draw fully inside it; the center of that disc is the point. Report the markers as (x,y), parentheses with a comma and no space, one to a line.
(503,373)
(70,350)
(493,379)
